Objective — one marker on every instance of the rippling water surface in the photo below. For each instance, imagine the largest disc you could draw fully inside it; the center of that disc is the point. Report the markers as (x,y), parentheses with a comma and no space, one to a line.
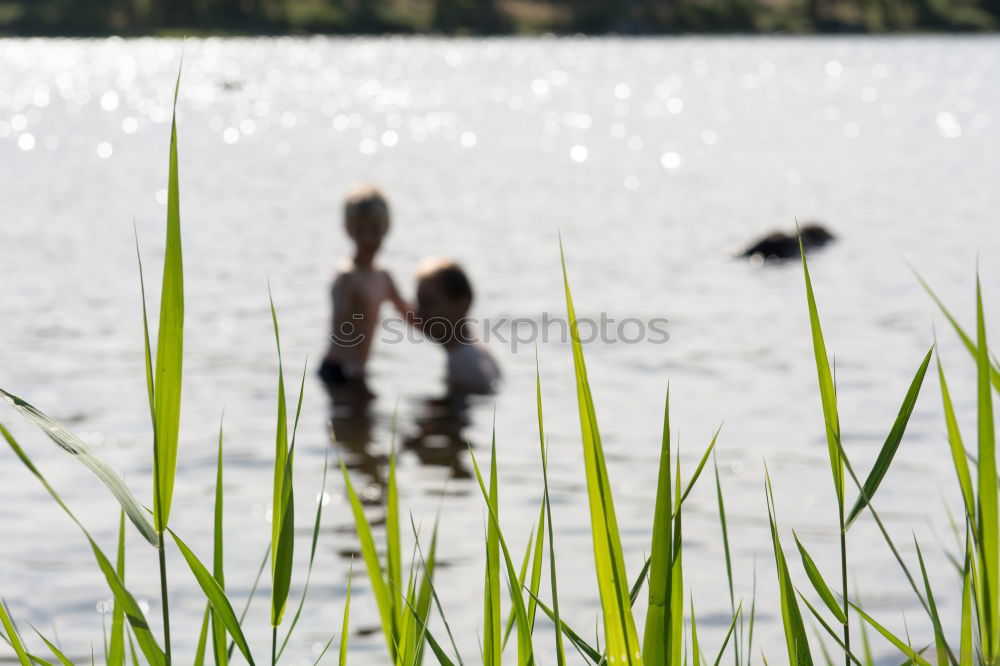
(654,158)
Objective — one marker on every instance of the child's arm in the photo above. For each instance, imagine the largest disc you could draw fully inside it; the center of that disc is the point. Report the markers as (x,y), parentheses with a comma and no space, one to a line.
(402,307)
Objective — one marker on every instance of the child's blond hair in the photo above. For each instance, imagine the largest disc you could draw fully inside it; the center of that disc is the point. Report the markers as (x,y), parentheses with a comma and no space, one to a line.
(366,201)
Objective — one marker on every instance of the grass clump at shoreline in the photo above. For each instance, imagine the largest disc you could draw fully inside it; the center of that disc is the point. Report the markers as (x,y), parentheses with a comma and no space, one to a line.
(413,621)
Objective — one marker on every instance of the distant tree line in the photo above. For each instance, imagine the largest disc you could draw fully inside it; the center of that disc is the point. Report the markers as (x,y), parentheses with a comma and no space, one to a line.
(489,17)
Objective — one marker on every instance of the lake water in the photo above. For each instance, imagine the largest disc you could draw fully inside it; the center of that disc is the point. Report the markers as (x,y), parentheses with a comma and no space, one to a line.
(654,158)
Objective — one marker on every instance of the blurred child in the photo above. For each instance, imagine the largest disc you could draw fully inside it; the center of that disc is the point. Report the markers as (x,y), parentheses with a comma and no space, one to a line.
(444,296)
(359,289)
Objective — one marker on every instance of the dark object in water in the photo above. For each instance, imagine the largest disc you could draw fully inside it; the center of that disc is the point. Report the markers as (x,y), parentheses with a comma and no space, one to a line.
(780,245)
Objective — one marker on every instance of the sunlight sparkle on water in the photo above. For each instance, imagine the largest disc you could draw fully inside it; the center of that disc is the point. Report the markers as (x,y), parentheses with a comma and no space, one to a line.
(670,160)
(109,100)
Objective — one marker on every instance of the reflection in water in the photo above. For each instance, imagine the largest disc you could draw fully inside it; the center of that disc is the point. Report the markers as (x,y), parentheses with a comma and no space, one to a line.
(437,436)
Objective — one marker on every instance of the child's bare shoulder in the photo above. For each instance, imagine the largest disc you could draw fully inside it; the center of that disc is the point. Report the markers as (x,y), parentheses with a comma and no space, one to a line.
(345,278)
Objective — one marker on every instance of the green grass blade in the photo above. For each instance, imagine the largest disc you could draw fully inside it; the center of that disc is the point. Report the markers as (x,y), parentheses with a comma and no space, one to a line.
(536,566)
(133,613)
(885,534)
(898,643)
(966,655)
(675,619)
(944,655)
(199,651)
(560,650)
(695,648)
(892,441)
(216,596)
(657,635)
(169,344)
(394,567)
(725,536)
(282,506)
(829,630)
(796,639)
(633,594)
(729,633)
(439,653)
(987,516)
(323,652)
(74,446)
(522,574)
(424,595)
(218,569)
(116,651)
(370,555)
(828,392)
(816,578)
(698,469)
(866,645)
(994,370)
(63,659)
(492,641)
(12,638)
(586,649)
(345,626)
(312,552)
(525,649)
(253,592)
(428,564)
(720,502)
(619,625)
(959,456)
(147,352)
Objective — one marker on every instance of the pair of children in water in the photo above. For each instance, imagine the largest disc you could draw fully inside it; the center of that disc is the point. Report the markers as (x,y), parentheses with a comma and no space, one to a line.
(360,287)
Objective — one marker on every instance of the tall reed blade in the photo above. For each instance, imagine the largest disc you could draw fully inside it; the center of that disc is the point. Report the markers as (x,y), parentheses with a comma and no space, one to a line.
(796,639)
(73,445)
(347,618)
(10,634)
(619,625)
(321,498)
(525,649)
(116,651)
(966,654)
(560,650)
(912,655)
(959,456)
(657,636)
(828,393)
(282,507)
(133,613)
(63,659)
(729,560)
(831,421)
(221,607)
(218,569)
(169,344)
(492,634)
(988,527)
(816,578)
(394,566)
(370,555)
(892,442)
(963,336)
